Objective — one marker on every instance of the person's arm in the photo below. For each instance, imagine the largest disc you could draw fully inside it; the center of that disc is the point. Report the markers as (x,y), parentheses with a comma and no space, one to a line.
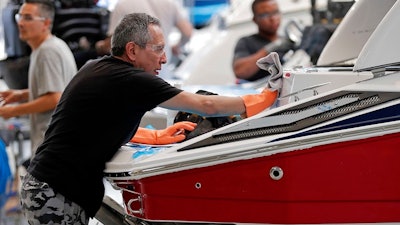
(244,64)
(186,101)
(217,105)
(103,47)
(245,67)
(205,105)
(183,24)
(43,103)
(186,30)
(12,96)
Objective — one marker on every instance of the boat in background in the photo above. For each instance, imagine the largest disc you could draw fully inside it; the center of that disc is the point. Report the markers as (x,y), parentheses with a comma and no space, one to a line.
(334,68)
(328,154)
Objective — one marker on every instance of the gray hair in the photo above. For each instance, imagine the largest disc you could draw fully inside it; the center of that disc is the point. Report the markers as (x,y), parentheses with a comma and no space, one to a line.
(133,27)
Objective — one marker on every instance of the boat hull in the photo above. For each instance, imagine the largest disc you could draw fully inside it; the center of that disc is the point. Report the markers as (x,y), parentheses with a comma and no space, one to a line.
(346,182)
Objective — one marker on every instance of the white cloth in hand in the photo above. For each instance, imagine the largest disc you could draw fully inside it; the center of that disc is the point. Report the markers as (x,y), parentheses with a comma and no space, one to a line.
(272,64)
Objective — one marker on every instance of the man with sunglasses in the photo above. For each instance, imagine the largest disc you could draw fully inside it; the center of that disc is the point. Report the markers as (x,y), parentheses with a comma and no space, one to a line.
(100,110)
(249,49)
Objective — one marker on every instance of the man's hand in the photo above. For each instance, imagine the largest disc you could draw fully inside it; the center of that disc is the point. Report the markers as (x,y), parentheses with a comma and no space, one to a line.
(11,96)
(257,103)
(172,134)
(7,111)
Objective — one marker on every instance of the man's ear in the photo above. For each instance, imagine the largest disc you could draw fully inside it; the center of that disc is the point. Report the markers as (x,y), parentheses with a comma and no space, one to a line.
(130,49)
(48,23)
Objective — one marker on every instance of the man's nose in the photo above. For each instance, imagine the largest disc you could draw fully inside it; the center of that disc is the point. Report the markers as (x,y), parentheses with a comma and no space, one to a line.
(163,58)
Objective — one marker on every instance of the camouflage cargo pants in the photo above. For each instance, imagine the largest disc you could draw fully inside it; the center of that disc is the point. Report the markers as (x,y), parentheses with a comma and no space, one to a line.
(41,205)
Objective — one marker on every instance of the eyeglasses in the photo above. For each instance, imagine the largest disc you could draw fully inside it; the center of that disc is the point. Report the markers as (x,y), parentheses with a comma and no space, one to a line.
(28,17)
(158,49)
(268,15)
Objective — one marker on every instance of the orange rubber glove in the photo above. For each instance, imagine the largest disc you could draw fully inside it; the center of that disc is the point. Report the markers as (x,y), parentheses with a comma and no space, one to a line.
(172,134)
(256,103)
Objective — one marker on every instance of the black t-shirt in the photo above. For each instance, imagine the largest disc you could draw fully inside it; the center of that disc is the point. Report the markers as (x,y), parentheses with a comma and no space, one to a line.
(249,45)
(99,111)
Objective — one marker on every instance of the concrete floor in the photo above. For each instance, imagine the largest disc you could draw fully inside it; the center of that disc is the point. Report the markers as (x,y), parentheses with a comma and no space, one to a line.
(12,219)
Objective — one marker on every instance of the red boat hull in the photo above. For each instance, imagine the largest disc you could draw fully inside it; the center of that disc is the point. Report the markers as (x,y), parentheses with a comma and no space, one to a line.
(347,182)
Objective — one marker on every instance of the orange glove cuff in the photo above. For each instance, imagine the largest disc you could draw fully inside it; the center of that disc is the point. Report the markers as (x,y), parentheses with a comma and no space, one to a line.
(258,102)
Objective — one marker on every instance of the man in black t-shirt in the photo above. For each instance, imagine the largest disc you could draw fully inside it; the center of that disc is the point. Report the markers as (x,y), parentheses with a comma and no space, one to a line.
(100,110)
(249,49)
